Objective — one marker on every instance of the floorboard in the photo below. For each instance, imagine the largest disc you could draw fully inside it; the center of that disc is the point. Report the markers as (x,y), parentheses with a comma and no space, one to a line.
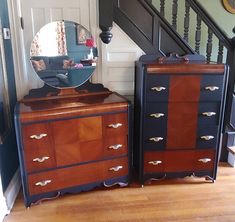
(178,200)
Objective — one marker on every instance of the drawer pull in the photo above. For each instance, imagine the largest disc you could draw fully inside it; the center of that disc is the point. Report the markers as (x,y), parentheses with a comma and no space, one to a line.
(204,160)
(43,183)
(211,88)
(156,139)
(208,114)
(115,147)
(40,160)
(157,115)
(38,137)
(115,169)
(115,126)
(158,88)
(207,137)
(155,162)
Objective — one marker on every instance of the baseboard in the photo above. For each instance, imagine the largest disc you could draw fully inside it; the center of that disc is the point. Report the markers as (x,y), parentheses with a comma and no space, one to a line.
(12,190)
(3,206)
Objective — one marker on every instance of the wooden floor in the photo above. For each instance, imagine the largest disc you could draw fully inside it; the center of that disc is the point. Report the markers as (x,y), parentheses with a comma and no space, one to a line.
(180,200)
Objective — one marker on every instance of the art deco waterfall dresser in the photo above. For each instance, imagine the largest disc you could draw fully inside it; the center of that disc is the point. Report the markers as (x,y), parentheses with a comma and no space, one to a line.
(72,135)
(179,108)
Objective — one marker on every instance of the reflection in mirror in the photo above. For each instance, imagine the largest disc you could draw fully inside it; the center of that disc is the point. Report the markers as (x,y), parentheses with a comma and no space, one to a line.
(63,54)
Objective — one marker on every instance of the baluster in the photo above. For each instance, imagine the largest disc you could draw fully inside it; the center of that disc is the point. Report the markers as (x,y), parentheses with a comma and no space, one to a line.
(220,52)
(198,34)
(186,20)
(209,45)
(174,14)
(162,7)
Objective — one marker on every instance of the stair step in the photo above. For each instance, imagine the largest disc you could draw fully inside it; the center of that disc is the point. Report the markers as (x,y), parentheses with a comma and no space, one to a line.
(231,149)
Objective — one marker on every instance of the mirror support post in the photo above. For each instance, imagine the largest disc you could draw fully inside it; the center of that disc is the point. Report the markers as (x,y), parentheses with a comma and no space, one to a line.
(106,20)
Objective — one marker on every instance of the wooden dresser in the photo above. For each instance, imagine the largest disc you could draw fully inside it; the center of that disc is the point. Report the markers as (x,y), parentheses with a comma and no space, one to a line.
(72,143)
(179,110)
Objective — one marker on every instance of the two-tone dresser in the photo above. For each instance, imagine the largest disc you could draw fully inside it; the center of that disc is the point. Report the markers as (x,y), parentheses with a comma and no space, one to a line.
(179,106)
(72,143)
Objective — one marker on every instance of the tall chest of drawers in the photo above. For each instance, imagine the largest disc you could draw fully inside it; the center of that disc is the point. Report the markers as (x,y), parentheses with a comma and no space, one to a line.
(178,115)
(72,144)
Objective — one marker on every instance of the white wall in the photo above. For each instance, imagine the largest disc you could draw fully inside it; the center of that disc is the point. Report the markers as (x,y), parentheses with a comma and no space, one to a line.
(118,62)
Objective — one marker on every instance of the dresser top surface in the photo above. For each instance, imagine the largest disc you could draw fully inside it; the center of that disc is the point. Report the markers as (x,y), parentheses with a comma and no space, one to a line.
(80,102)
(184,68)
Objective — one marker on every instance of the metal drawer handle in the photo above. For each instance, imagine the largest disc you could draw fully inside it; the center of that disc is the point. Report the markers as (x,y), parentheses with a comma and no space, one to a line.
(204,160)
(115,126)
(40,160)
(115,147)
(115,169)
(43,183)
(208,114)
(155,139)
(157,115)
(211,88)
(158,88)
(155,162)
(38,137)
(207,137)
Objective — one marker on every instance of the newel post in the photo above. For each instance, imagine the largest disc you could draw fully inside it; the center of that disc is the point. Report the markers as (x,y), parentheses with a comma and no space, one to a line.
(106,20)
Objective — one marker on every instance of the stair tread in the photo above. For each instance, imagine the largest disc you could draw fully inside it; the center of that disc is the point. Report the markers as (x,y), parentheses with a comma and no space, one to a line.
(231,149)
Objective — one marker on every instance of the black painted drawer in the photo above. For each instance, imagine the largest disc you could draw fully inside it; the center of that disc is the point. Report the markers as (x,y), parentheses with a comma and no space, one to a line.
(154,137)
(208,113)
(207,137)
(157,87)
(211,87)
(156,113)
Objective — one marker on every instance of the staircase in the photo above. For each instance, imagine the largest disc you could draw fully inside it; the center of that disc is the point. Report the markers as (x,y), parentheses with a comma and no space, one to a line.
(188,29)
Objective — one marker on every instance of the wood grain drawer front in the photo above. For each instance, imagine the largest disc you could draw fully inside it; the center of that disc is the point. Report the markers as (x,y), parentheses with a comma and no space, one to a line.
(79,175)
(211,87)
(204,159)
(182,125)
(115,146)
(157,88)
(38,147)
(208,113)
(71,137)
(184,88)
(154,162)
(115,125)
(179,161)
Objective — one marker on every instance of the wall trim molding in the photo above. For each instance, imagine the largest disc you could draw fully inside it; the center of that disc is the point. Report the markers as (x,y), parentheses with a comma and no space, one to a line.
(21,79)
(12,190)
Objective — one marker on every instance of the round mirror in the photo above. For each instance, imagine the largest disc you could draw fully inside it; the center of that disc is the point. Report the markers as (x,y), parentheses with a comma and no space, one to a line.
(63,54)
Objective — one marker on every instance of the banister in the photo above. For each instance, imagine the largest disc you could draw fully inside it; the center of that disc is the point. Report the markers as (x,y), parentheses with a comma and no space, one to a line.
(210,22)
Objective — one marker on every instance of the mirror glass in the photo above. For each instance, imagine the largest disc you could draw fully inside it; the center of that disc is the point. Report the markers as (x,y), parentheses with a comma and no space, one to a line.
(63,54)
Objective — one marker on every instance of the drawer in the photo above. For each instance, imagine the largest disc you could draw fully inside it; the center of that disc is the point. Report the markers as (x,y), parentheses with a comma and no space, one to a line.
(38,147)
(179,161)
(157,87)
(56,180)
(204,159)
(154,139)
(211,87)
(208,113)
(115,146)
(207,137)
(115,125)
(156,113)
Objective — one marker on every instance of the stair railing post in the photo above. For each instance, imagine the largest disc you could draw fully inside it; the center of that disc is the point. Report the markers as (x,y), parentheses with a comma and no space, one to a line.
(106,19)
